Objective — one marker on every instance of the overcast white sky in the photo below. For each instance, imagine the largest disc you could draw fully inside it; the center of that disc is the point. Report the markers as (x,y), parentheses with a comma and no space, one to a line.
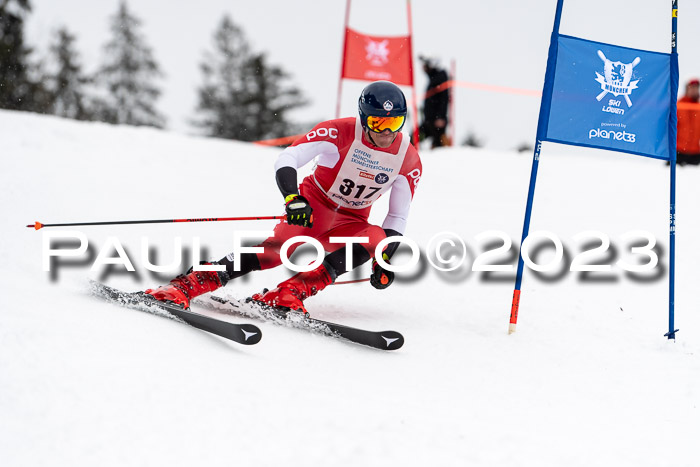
(501,43)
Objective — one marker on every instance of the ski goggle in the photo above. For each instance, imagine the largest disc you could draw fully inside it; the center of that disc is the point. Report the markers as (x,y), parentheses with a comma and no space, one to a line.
(379,124)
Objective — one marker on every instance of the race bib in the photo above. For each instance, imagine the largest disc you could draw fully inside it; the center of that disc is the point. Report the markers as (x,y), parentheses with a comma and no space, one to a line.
(365,174)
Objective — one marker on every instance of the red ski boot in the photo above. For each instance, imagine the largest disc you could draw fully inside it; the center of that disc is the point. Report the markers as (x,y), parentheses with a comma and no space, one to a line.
(185,287)
(292,292)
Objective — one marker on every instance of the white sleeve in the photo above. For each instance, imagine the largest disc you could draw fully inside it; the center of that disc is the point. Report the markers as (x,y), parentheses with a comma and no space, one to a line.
(302,154)
(399,205)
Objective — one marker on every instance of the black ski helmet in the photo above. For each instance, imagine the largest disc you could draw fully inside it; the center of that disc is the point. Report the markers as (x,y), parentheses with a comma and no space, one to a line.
(382,99)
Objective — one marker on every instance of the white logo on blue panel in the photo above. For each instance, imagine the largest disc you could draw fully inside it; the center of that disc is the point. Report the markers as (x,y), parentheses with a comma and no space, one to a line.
(617,78)
(381,178)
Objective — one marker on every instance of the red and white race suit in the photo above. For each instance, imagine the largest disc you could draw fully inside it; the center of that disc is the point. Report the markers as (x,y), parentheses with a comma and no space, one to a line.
(350,175)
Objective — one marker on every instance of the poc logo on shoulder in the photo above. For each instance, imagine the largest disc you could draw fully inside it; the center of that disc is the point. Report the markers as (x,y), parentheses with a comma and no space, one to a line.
(322,133)
(415,175)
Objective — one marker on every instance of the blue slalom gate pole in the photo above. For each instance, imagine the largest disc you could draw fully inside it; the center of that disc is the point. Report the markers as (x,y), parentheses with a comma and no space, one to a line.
(541,132)
(672,129)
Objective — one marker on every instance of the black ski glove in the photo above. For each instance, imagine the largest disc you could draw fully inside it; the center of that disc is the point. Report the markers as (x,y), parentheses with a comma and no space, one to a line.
(381,278)
(299,211)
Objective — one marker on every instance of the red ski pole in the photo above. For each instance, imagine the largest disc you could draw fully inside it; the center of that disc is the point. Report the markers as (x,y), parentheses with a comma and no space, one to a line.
(351,282)
(39,225)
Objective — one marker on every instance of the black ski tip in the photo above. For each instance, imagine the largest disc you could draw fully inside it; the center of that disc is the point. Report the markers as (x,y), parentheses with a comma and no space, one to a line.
(251,334)
(392,339)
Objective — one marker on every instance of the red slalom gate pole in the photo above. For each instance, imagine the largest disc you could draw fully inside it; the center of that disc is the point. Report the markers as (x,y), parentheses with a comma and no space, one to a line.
(453,77)
(342,59)
(414,108)
(39,225)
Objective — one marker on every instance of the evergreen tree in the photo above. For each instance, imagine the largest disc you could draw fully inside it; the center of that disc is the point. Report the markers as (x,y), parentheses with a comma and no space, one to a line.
(68,83)
(128,72)
(18,91)
(269,100)
(242,97)
(472,140)
(222,95)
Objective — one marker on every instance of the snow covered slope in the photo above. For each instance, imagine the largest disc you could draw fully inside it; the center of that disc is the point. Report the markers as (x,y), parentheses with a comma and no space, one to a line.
(588,379)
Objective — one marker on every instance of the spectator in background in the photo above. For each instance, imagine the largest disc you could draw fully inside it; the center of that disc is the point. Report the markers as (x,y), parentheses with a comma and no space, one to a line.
(688,143)
(435,105)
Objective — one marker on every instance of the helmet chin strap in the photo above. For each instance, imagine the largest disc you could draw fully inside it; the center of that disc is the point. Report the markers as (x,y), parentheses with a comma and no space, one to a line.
(369,135)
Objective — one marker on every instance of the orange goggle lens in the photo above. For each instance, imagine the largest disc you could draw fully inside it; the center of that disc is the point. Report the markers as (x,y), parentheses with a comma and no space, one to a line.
(379,124)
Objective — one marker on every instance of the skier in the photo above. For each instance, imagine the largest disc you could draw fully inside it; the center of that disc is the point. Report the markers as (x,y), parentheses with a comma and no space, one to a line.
(359,160)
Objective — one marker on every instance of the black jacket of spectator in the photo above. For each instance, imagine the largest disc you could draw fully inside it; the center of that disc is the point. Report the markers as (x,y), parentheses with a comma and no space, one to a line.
(435,106)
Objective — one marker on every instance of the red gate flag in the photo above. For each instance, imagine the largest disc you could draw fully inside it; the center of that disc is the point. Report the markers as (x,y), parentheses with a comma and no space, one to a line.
(372,58)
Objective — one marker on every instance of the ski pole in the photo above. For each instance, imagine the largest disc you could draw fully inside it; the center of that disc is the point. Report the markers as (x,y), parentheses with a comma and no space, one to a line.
(350,282)
(39,225)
